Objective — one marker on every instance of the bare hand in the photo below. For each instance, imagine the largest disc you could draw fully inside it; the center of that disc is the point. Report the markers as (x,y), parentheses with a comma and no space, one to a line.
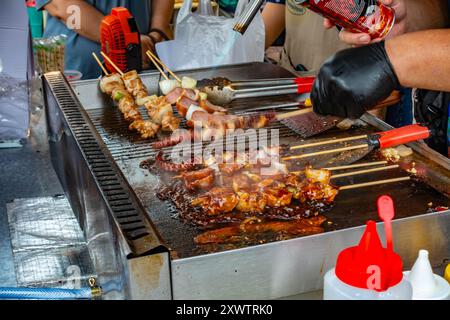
(359,39)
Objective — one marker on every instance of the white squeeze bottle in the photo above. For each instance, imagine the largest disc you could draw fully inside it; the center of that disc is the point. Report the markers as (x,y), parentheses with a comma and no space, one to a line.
(427,285)
(369,271)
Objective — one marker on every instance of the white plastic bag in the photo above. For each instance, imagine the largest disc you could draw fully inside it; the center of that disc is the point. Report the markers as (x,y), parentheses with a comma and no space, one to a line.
(205,40)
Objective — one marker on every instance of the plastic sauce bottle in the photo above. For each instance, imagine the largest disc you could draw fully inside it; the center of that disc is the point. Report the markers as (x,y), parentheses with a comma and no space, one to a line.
(367,272)
(427,285)
(366,16)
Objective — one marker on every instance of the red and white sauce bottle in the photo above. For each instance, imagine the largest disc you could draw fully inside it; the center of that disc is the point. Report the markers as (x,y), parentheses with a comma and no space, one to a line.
(367,272)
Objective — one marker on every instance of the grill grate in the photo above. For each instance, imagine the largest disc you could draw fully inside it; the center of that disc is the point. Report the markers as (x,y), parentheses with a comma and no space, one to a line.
(123,205)
(125,144)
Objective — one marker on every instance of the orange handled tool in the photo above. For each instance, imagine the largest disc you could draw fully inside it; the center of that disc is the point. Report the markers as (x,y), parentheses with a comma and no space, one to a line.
(396,137)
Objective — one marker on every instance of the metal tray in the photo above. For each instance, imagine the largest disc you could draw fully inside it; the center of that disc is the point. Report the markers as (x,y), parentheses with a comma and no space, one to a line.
(279,268)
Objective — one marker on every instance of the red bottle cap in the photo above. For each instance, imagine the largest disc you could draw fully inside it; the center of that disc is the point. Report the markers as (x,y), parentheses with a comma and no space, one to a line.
(369,265)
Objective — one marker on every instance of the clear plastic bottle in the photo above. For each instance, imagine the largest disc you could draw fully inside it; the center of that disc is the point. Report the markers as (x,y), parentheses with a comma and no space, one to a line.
(427,285)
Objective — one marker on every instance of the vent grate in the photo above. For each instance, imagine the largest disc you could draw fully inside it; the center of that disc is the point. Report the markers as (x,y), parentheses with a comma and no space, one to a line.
(122,204)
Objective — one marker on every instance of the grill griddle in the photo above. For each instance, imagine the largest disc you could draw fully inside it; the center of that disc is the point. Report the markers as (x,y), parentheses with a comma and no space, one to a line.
(352,208)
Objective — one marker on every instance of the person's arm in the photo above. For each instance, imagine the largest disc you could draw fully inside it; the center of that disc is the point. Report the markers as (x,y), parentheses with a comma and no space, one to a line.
(421,59)
(356,79)
(274,21)
(161,17)
(411,15)
(90,18)
(162,11)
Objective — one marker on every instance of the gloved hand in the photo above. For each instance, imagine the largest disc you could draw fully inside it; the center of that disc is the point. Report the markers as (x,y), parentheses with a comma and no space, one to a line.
(354,80)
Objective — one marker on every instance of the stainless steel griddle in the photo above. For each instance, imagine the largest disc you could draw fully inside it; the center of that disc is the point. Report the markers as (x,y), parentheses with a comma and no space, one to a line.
(86,130)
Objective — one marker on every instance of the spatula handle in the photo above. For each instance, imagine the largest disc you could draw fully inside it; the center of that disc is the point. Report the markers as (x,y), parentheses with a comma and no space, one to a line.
(402,135)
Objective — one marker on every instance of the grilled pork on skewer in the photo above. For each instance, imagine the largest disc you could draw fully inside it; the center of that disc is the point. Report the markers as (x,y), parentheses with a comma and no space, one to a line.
(111,82)
(161,112)
(136,87)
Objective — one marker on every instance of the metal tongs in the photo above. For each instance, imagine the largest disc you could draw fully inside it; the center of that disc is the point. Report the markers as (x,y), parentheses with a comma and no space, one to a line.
(258,88)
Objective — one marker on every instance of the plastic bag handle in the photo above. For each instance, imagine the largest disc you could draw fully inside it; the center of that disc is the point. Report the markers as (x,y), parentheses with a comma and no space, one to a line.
(205,8)
(240,7)
(185,9)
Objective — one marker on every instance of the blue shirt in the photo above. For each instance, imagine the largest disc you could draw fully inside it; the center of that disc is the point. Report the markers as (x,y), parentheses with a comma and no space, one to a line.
(78,50)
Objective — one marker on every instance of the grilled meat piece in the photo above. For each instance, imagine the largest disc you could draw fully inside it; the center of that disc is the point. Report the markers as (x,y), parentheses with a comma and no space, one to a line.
(277,196)
(238,232)
(110,82)
(217,201)
(146,128)
(199,179)
(161,113)
(251,202)
(135,86)
(212,108)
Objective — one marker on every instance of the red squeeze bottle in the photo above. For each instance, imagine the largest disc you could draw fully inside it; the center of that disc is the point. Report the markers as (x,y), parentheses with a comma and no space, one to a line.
(367,16)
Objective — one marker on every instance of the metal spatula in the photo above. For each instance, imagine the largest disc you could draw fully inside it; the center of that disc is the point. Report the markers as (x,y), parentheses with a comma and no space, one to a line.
(309,123)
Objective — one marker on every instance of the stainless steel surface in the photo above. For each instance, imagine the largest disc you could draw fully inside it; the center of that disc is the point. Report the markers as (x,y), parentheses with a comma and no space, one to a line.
(281,268)
(225,95)
(110,216)
(247,16)
(288,268)
(262,82)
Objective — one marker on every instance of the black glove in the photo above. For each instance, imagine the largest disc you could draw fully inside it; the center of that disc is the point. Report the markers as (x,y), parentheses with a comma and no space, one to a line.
(354,80)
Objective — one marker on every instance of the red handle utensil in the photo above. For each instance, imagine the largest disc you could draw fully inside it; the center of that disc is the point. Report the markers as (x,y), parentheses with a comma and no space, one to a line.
(304,84)
(386,212)
(396,137)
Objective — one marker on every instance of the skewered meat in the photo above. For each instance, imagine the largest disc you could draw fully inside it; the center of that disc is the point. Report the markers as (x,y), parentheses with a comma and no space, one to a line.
(211,108)
(173,96)
(238,232)
(322,176)
(251,202)
(161,113)
(200,179)
(183,105)
(146,128)
(217,200)
(166,165)
(129,109)
(110,82)
(135,86)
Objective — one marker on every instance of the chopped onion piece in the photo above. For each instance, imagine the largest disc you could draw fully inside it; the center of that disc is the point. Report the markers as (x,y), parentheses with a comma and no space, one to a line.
(188,83)
(191,110)
(168,85)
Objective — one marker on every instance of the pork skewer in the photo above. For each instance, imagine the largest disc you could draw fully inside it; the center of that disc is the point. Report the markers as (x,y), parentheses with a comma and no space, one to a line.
(159,111)
(113,85)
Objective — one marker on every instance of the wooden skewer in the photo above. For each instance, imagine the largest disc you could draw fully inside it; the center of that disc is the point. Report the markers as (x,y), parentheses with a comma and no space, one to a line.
(286,115)
(358,165)
(307,155)
(100,64)
(112,63)
(163,65)
(373,183)
(157,66)
(331,141)
(355,173)
(352,166)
